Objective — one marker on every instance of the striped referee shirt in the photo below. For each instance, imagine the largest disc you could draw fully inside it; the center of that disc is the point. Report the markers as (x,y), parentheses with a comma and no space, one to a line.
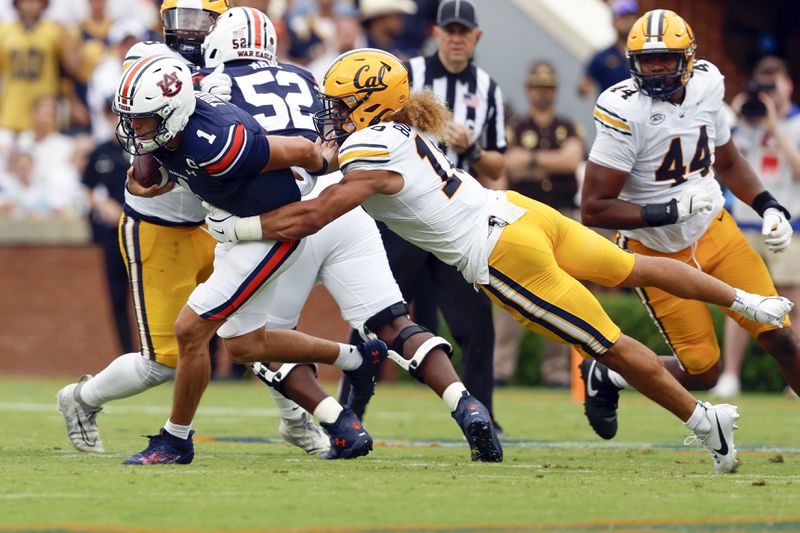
(474,98)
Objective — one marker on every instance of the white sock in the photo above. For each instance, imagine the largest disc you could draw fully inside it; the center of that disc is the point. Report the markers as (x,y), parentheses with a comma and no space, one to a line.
(699,422)
(176,430)
(349,358)
(125,376)
(617,379)
(328,410)
(288,409)
(452,394)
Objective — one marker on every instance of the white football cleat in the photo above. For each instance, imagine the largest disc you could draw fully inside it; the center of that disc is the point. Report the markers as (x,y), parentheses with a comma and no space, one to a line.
(719,440)
(727,387)
(81,422)
(305,434)
(770,310)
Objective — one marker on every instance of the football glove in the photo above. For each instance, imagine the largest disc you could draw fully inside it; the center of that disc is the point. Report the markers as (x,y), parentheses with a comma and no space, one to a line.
(217,83)
(776,230)
(693,201)
(221,224)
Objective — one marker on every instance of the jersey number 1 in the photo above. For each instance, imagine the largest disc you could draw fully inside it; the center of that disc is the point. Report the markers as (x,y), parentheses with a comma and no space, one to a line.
(672,167)
(449,177)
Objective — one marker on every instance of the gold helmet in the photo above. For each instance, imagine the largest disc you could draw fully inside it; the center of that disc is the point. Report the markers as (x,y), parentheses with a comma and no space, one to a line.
(359,89)
(661,32)
(186,22)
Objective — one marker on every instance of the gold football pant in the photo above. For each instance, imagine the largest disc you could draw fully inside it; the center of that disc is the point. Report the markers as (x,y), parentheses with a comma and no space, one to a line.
(722,252)
(534,271)
(165,264)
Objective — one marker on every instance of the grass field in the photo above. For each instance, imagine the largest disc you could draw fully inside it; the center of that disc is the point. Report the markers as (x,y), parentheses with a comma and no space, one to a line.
(556,475)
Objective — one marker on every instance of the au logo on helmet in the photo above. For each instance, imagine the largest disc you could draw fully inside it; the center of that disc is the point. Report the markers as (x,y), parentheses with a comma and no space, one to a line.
(170,85)
(363,82)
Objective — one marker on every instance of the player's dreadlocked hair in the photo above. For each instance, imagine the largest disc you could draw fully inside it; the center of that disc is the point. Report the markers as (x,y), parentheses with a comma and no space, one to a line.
(426,113)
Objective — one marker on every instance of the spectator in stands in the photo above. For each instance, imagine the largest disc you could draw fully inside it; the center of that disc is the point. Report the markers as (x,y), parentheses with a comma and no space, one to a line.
(349,35)
(54,179)
(610,66)
(418,27)
(311,28)
(542,159)
(105,77)
(32,53)
(104,178)
(768,135)
(383,23)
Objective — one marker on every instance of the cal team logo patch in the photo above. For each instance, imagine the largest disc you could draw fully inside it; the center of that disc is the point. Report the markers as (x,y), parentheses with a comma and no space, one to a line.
(170,85)
(657,118)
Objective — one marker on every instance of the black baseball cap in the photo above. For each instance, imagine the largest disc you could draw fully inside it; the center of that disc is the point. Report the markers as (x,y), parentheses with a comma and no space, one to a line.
(457,12)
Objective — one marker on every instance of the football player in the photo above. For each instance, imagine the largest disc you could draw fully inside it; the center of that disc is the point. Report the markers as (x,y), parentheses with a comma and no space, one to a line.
(167,254)
(347,256)
(661,141)
(523,254)
(222,154)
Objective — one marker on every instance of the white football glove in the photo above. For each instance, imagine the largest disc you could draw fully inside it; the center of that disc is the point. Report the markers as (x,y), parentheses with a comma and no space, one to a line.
(777,230)
(306,181)
(221,224)
(217,83)
(770,310)
(693,201)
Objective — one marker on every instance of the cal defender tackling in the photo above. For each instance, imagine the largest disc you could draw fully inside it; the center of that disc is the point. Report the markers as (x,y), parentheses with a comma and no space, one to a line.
(525,255)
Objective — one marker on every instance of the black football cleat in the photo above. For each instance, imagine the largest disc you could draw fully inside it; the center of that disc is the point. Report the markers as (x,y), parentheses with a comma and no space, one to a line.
(349,439)
(601,398)
(164,449)
(479,430)
(362,379)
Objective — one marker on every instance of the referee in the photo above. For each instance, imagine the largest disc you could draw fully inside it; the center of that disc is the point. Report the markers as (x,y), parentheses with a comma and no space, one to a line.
(476,141)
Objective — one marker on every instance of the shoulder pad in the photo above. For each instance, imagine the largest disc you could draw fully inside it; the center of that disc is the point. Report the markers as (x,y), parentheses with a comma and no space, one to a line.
(373,144)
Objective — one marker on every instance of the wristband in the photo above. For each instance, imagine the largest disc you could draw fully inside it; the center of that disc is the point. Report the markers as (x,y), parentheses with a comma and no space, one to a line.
(473,153)
(655,215)
(248,228)
(764,200)
(323,170)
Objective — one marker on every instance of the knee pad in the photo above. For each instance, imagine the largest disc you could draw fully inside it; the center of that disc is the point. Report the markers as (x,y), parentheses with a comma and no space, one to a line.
(412,365)
(380,319)
(150,372)
(276,379)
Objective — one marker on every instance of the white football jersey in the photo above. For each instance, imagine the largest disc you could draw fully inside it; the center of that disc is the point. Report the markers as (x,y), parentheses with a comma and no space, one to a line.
(664,148)
(178,206)
(440,208)
(769,161)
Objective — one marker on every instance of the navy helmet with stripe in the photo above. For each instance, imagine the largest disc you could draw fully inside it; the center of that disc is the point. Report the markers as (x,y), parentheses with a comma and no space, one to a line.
(661,31)
(154,86)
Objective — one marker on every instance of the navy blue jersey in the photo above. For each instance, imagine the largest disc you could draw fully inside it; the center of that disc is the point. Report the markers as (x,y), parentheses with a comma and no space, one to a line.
(283,98)
(220,158)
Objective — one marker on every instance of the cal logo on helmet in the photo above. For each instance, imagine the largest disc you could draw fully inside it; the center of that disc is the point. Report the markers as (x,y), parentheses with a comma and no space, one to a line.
(365,82)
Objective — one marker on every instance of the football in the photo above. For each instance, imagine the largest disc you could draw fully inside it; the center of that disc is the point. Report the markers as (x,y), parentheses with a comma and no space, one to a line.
(147,171)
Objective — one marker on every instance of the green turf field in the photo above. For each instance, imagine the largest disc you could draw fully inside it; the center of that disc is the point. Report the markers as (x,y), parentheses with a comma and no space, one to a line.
(556,475)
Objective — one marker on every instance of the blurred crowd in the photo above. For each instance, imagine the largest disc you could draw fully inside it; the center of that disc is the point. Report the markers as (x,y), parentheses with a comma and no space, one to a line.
(60,61)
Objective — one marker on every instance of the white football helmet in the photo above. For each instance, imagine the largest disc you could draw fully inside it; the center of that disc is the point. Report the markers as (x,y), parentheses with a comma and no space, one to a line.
(153,86)
(240,33)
